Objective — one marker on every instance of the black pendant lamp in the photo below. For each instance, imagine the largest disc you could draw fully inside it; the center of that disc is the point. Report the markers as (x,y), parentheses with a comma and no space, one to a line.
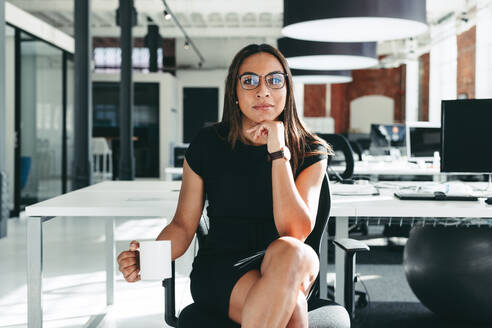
(312,55)
(320,77)
(354,20)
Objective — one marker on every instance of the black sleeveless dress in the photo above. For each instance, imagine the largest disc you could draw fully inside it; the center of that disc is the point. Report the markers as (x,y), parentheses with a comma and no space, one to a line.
(238,187)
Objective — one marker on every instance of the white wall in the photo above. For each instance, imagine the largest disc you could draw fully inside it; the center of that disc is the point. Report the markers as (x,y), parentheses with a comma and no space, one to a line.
(218,52)
(168,110)
(483,71)
(299,98)
(443,68)
(370,109)
(10,113)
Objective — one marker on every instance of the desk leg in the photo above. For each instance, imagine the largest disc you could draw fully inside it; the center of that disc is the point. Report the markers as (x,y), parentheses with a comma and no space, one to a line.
(110,260)
(34,271)
(341,231)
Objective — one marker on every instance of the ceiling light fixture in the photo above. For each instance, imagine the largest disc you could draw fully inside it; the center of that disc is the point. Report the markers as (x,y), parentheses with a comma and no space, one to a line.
(167,15)
(354,20)
(312,55)
(188,42)
(320,77)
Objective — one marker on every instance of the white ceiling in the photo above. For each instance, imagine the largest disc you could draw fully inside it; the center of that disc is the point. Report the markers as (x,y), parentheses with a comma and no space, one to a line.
(217,27)
(210,18)
(213,18)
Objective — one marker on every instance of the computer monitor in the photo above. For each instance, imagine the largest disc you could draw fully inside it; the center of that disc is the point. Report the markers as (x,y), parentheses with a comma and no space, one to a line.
(466,138)
(423,139)
(386,136)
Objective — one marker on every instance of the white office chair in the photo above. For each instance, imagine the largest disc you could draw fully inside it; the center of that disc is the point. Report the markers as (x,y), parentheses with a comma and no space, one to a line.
(103,160)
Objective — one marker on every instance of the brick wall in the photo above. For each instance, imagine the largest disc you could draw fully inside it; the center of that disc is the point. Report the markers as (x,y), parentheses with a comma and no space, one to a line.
(466,62)
(315,100)
(384,82)
(424,62)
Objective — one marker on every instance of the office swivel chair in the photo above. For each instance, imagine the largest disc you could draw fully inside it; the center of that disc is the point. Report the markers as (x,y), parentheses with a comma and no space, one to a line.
(357,148)
(322,313)
(340,143)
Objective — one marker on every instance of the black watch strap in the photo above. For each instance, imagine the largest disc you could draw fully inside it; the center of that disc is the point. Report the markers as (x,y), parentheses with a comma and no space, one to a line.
(277,154)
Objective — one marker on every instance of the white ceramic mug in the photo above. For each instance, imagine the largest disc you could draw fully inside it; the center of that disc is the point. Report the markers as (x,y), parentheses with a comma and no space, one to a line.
(155,259)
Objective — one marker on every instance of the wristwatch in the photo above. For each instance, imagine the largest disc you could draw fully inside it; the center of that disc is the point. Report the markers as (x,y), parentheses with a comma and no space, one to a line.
(282,153)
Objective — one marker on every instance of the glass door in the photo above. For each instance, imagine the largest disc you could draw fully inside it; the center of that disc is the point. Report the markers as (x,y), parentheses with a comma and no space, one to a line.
(40,113)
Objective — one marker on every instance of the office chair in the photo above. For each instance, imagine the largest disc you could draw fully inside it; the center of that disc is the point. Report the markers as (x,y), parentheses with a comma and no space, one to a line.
(357,148)
(322,313)
(340,143)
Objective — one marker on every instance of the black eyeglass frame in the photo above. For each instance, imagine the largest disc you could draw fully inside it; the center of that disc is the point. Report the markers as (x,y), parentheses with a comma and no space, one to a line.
(285,75)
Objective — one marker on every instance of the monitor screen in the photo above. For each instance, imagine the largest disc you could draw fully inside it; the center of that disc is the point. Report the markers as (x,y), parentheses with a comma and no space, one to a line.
(423,141)
(466,140)
(387,135)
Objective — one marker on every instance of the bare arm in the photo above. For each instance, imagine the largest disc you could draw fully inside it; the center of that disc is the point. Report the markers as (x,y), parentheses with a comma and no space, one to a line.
(181,229)
(185,221)
(295,203)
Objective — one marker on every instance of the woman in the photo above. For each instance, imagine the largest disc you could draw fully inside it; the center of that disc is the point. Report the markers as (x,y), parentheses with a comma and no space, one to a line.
(261,172)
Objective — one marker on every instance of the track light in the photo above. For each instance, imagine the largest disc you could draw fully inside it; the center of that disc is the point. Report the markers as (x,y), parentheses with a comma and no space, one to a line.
(187,45)
(167,15)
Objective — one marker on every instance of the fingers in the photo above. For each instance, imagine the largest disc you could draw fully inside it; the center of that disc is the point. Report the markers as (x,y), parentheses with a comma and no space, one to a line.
(129,261)
(126,254)
(132,275)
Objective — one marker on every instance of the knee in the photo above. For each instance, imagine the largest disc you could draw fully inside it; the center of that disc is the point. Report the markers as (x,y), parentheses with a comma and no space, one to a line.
(291,255)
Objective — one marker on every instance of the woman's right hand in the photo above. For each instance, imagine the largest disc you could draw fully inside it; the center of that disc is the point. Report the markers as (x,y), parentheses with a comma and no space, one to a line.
(129,262)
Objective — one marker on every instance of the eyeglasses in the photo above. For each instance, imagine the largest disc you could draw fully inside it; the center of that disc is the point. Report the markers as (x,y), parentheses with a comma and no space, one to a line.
(273,80)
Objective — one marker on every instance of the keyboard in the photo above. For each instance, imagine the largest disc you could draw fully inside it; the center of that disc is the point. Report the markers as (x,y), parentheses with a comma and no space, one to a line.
(413,195)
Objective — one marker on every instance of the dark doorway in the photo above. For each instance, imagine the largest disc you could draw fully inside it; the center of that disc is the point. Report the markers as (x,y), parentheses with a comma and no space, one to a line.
(145,124)
(200,108)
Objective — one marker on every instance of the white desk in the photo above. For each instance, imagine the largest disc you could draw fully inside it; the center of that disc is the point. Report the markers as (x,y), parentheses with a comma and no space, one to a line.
(373,169)
(386,205)
(400,167)
(170,171)
(106,200)
(159,198)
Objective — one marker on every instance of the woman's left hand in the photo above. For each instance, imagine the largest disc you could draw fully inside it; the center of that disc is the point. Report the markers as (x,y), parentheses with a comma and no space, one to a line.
(270,133)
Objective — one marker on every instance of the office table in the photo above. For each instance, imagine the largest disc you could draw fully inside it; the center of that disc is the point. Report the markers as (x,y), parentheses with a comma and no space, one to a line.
(387,206)
(107,200)
(400,167)
(112,199)
(372,169)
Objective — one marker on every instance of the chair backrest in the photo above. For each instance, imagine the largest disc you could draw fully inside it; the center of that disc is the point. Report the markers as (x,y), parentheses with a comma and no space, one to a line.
(357,148)
(322,216)
(340,143)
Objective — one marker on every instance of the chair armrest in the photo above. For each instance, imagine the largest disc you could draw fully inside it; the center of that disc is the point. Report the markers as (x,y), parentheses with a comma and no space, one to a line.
(170,300)
(351,245)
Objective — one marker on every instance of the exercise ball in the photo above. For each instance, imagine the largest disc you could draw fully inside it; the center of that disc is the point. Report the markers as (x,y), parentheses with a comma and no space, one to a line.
(450,270)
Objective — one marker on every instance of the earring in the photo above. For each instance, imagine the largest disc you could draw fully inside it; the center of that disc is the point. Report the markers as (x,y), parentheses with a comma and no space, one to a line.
(237,102)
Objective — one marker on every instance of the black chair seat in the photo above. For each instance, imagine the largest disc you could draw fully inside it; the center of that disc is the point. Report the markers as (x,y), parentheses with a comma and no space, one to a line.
(323,314)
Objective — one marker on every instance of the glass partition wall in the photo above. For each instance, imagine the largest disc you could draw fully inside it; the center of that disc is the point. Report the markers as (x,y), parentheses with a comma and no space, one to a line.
(44,120)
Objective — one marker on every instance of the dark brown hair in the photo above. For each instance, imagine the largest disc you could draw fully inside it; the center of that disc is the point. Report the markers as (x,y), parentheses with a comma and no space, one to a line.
(297,137)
